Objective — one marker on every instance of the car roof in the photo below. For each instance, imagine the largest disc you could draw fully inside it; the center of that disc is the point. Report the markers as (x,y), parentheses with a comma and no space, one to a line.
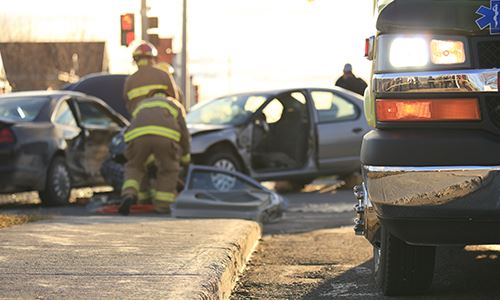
(279,91)
(58,95)
(51,94)
(105,86)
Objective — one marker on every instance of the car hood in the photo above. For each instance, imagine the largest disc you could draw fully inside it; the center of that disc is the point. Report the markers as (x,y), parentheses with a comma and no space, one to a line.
(195,129)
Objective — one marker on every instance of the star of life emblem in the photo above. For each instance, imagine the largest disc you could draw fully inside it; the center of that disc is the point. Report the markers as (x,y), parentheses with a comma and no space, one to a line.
(490,16)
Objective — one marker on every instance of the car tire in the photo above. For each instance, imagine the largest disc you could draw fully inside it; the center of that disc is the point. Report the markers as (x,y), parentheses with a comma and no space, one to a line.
(113,173)
(400,268)
(57,184)
(225,160)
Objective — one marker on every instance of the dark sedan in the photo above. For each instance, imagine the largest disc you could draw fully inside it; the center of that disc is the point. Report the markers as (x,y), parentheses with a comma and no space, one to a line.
(54,141)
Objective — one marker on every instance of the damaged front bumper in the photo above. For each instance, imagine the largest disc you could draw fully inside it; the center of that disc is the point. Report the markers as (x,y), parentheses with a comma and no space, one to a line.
(432,205)
(433,186)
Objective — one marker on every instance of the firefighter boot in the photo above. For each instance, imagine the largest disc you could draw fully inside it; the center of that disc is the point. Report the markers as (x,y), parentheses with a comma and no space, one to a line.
(124,208)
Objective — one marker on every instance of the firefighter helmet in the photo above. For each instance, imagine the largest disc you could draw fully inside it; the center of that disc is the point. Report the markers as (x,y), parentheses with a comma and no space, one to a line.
(144,50)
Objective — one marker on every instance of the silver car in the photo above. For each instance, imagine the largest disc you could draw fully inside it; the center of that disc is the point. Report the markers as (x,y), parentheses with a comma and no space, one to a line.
(294,134)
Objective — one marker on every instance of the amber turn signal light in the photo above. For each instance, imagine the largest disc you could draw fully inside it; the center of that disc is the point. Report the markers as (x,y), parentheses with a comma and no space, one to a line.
(447,52)
(399,110)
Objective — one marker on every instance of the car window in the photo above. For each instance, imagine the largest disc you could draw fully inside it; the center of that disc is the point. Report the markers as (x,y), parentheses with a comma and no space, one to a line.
(331,107)
(254,102)
(273,111)
(93,114)
(230,110)
(215,180)
(64,115)
(21,109)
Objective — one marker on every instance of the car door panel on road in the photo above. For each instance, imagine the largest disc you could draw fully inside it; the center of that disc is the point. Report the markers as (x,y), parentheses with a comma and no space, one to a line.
(339,128)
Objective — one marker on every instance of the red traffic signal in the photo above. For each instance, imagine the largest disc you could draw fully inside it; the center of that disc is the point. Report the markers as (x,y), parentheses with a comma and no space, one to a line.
(127,27)
(127,22)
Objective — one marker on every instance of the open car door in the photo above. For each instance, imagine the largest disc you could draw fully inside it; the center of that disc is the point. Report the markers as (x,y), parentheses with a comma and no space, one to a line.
(214,193)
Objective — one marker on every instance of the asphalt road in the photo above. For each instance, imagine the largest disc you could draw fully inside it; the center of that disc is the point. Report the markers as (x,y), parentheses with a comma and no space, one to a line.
(313,253)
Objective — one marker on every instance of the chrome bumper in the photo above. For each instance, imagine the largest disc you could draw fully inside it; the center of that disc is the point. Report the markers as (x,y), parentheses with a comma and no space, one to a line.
(432,186)
(454,81)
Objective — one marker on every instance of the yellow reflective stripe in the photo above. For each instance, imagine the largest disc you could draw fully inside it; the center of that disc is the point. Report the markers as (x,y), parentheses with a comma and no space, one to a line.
(165,196)
(154,130)
(152,104)
(151,159)
(131,184)
(142,62)
(145,90)
(143,196)
(186,158)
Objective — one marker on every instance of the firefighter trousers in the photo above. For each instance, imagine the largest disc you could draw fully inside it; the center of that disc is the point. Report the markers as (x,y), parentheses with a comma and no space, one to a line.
(167,160)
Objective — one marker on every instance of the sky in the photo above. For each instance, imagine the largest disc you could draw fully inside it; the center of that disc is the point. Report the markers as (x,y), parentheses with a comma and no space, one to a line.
(234,45)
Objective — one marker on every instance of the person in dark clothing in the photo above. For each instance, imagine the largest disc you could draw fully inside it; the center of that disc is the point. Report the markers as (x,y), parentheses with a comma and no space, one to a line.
(350,82)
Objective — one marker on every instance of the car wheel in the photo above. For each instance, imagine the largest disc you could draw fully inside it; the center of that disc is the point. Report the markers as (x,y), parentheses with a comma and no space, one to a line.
(402,269)
(57,185)
(224,160)
(113,173)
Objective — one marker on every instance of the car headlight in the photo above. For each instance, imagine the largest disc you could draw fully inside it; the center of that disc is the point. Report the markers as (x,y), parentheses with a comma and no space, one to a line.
(409,52)
(418,52)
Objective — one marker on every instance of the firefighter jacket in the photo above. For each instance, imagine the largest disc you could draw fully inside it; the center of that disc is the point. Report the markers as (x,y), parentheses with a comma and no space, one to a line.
(162,116)
(139,85)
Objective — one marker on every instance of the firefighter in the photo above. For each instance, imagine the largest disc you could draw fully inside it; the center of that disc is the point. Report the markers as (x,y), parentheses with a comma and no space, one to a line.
(166,67)
(157,128)
(147,78)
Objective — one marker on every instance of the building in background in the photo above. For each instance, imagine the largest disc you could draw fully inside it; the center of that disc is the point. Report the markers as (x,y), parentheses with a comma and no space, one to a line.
(38,66)
(4,83)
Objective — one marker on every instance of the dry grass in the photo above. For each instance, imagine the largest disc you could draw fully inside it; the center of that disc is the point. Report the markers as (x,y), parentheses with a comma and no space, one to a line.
(11,220)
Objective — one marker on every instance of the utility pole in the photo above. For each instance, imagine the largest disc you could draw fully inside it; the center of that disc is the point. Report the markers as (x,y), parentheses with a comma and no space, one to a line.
(184,69)
(144,20)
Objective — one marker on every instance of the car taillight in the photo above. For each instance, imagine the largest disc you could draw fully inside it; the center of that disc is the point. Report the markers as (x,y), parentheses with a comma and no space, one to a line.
(404,110)
(7,136)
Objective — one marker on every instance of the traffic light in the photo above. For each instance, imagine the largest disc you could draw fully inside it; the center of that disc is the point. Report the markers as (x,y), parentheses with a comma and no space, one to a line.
(127,29)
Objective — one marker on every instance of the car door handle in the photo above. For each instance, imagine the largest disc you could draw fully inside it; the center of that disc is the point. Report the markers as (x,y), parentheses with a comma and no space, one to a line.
(204,196)
(357,130)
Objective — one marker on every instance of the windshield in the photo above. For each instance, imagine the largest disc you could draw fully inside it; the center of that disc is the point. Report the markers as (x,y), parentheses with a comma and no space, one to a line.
(21,109)
(232,110)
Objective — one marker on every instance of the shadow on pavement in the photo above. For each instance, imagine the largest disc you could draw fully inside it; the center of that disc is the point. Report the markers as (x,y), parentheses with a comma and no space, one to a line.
(460,273)
(315,209)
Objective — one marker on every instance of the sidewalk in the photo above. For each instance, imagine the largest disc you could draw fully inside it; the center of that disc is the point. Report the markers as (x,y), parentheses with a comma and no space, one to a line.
(109,257)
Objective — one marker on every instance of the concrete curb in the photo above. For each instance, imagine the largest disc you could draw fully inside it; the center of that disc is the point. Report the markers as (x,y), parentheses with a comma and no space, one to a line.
(230,264)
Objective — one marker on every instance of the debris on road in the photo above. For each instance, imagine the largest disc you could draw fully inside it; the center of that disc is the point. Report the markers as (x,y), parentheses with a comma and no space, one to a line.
(210,193)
